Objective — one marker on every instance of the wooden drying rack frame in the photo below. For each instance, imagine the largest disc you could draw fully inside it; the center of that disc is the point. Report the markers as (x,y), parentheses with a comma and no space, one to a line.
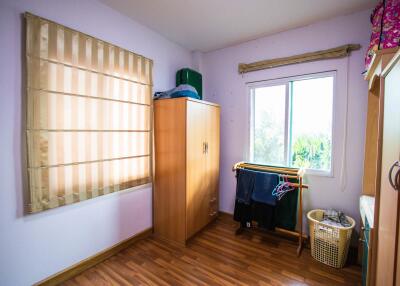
(290,173)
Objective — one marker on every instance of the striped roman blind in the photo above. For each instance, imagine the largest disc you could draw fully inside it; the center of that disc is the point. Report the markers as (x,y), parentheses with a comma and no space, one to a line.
(88,116)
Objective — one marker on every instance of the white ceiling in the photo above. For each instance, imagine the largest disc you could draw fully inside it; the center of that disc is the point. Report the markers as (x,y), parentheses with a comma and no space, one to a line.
(206,25)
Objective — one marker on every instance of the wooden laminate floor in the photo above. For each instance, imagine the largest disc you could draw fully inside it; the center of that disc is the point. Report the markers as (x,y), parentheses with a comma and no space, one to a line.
(216,257)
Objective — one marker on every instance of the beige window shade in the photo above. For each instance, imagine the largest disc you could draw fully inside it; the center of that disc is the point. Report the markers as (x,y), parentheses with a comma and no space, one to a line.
(88,116)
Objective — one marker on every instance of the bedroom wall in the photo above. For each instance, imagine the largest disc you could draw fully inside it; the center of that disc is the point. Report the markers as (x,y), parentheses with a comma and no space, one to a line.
(225,86)
(32,247)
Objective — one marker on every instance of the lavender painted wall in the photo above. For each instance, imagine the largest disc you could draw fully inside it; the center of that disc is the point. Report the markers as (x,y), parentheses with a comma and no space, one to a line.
(36,246)
(225,86)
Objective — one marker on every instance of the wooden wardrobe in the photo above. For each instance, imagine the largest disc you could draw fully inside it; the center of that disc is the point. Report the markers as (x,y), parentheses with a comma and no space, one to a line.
(388,253)
(187,142)
(382,152)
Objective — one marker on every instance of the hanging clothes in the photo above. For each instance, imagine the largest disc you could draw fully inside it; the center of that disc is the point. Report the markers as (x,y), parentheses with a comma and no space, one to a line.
(286,209)
(244,185)
(243,213)
(264,215)
(264,185)
(282,188)
(244,189)
(255,201)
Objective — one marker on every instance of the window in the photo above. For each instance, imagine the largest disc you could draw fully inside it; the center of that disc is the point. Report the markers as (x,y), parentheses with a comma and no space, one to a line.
(88,116)
(291,122)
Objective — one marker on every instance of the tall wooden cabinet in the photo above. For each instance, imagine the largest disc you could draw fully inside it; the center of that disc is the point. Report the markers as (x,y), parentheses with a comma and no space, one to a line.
(388,265)
(187,139)
(382,149)
(375,91)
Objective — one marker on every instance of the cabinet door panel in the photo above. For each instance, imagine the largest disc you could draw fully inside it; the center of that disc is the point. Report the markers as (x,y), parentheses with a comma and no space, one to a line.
(389,198)
(212,157)
(170,186)
(196,200)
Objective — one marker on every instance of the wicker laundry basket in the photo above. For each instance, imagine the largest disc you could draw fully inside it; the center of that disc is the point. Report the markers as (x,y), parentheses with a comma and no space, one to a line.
(329,244)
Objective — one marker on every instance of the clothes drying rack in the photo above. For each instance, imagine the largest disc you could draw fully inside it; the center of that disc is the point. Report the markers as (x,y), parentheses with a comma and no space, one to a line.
(290,173)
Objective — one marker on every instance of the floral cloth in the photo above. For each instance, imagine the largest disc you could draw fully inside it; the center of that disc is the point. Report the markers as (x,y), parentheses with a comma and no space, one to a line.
(385,20)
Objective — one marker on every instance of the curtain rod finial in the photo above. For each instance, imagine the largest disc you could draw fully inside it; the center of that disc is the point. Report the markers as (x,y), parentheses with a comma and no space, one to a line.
(241,68)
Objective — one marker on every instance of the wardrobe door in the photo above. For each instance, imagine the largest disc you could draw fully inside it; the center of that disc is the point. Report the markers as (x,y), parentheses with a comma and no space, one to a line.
(389,196)
(169,201)
(212,121)
(197,201)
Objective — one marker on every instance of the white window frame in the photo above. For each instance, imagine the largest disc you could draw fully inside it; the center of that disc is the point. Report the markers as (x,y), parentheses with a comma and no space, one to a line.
(251,86)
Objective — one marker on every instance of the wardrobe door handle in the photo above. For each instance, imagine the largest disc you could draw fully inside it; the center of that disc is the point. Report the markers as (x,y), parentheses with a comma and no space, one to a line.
(396,184)
(204,147)
(398,180)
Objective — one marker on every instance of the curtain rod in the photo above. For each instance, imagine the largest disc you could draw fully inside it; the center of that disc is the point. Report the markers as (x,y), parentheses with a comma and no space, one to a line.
(338,52)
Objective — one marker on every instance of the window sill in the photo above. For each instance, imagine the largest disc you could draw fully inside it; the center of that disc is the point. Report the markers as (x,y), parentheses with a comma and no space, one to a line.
(318,173)
(308,172)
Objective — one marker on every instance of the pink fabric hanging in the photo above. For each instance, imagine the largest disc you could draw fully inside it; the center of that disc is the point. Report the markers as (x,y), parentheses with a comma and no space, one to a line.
(385,20)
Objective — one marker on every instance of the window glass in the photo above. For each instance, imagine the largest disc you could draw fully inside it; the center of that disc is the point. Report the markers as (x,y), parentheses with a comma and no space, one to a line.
(311,141)
(269,124)
(291,123)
